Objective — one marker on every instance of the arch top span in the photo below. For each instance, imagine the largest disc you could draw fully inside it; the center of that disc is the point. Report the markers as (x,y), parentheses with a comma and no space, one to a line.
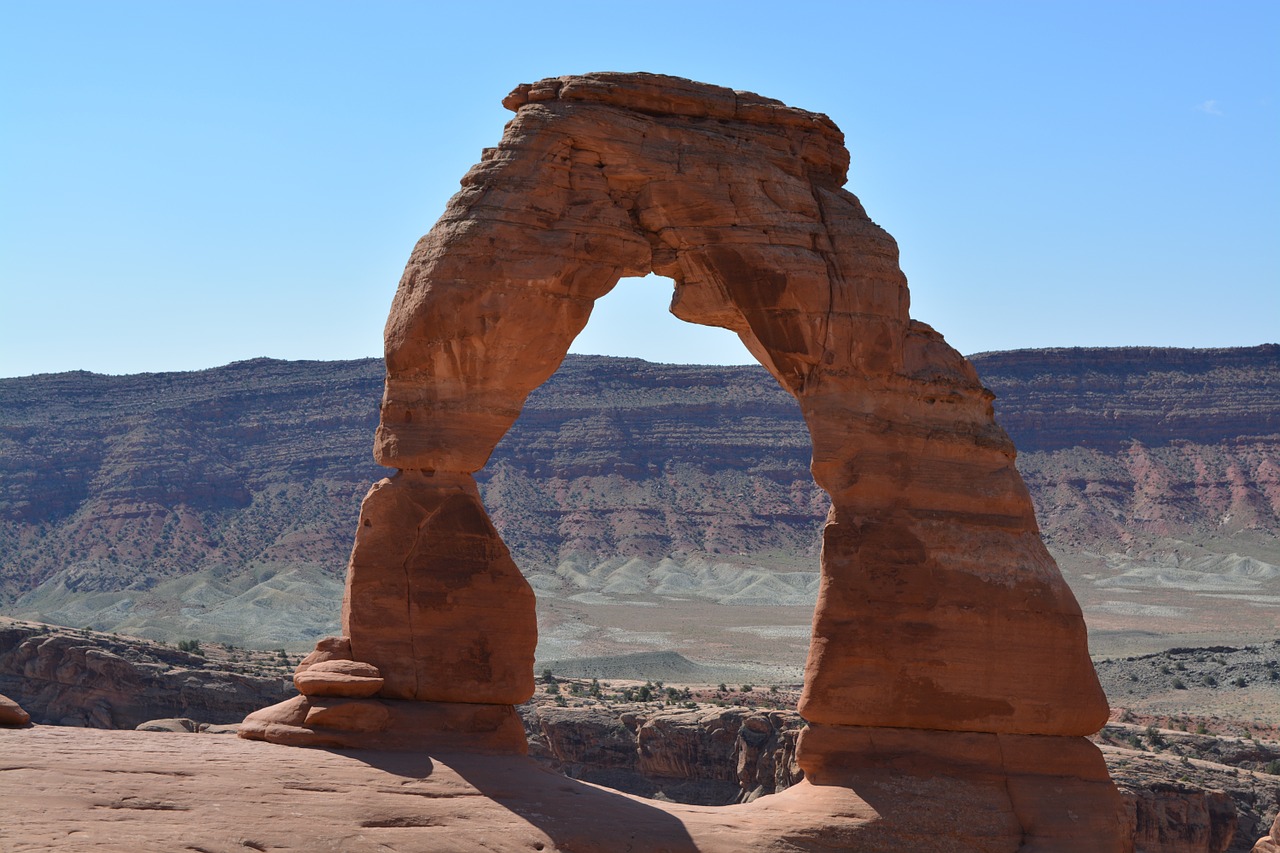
(737,198)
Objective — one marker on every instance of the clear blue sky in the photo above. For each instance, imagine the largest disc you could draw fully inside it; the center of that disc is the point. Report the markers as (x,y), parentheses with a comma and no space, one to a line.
(184,184)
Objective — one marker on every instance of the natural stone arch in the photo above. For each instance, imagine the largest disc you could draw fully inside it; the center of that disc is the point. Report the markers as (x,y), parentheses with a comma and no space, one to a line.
(940,610)
(939,602)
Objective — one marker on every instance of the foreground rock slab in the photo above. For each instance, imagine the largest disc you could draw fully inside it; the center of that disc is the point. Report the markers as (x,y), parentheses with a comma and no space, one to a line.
(71,789)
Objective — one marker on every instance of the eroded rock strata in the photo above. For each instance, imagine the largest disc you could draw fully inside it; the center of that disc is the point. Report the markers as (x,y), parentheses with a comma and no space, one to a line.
(945,642)
(73,678)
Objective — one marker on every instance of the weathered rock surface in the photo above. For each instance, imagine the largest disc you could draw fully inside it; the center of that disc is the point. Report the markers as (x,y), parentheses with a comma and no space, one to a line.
(102,682)
(943,628)
(176,792)
(1177,805)
(11,713)
(1218,802)
(347,678)
(387,724)
(327,649)
(433,598)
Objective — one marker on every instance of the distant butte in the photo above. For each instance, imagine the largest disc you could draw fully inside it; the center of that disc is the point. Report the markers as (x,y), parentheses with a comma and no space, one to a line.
(948,687)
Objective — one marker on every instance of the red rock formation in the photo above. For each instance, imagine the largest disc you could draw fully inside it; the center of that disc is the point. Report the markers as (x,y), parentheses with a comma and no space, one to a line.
(943,628)
(130,791)
(11,713)
(434,599)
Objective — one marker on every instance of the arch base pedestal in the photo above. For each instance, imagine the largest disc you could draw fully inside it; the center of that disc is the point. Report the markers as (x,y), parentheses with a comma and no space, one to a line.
(388,724)
(1052,792)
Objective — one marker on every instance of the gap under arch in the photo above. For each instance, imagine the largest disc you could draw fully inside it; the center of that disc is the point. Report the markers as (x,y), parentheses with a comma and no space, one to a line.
(633,321)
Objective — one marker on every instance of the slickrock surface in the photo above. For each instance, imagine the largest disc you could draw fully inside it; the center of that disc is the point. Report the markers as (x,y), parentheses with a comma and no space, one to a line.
(193,792)
(944,636)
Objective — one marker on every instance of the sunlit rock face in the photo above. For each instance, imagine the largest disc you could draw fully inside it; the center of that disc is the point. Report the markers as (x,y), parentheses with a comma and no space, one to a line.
(943,631)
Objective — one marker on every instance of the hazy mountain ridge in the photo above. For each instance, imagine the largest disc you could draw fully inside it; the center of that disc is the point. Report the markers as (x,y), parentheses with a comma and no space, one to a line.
(175,499)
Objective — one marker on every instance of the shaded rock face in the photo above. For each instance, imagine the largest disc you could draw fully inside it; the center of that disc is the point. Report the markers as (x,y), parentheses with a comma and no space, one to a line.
(942,629)
(702,756)
(11,713)
(67,680)
(1270,843)
(1176,818)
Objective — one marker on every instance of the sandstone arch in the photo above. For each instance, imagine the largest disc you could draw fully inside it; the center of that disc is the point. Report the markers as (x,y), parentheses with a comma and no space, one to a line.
(738,200)
(940,610)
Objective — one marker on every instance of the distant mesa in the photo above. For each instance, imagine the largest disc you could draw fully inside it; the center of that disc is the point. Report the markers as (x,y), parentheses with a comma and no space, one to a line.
(945,642)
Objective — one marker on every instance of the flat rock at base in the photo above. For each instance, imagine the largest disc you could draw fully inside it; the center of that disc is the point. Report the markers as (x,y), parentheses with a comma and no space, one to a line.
(347,678)
(388,724)
(11,713)
(81,790)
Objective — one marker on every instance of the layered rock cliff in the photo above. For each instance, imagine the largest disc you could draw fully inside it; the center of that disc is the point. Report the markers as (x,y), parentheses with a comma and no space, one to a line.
(93,680)
(611,458)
